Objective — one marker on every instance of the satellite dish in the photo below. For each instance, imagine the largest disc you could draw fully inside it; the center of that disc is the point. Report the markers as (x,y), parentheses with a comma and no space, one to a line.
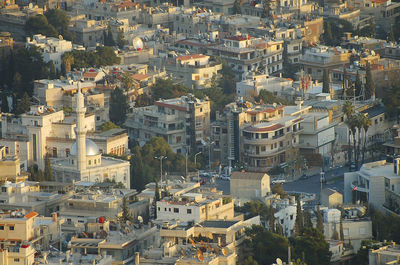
(279,261)
(140,219)
(137,43)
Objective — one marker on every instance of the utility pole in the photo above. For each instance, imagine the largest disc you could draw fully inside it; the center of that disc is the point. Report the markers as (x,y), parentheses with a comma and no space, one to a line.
(195,164)
(161,158)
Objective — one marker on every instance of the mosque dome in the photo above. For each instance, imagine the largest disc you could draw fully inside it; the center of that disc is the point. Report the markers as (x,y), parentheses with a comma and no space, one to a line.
(91,148)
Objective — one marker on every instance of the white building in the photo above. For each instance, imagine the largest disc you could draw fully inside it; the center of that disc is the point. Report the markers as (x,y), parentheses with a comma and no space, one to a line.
(285,215)
(194,207)
(252,86)
(52,48)
(85,161)
(375,183)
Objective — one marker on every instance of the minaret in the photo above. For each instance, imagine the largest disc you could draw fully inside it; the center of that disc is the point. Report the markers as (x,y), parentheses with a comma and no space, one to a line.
(80,129)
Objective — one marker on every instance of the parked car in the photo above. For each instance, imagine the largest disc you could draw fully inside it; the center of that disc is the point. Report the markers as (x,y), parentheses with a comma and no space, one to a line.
(303,177)
(225,177)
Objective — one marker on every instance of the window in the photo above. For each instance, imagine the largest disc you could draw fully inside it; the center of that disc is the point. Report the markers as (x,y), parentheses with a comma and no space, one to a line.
(16,260)
(158,208)
(189,211)
(362,231)
(291,217)
(11,227)
(1,227)
(176,210)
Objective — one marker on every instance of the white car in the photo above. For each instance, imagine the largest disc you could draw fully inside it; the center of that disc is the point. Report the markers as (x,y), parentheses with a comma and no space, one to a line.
(225,177)
(281,181)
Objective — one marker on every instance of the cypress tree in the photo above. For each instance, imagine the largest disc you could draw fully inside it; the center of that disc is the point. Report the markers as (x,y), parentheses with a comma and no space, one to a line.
(271,219)
(299,218)
(320,223)
(48,174)
(307,219)
(341,228)
(369,83)
(358,85)
(325,80)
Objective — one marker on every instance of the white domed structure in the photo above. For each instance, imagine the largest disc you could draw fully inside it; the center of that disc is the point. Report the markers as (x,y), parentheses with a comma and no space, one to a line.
(91,148)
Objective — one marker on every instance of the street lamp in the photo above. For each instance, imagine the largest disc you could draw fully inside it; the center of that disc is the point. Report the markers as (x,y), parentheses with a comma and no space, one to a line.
(322,178)
(209,155)
(161,158)
(195,164)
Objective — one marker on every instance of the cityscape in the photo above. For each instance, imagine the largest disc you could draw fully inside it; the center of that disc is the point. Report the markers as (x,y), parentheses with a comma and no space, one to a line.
(190,132)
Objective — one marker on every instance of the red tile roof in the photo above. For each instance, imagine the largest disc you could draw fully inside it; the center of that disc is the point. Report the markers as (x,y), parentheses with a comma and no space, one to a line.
(191,56)
(140,77)
(31,214)
(162,104)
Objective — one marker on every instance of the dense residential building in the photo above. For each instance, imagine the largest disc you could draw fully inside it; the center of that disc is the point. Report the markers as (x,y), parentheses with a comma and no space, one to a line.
(316,59)
(52,48)
(194,207)
(196,70)
(183,122)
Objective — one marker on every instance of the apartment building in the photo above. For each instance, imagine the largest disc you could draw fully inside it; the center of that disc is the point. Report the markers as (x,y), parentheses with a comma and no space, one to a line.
(384,12)
(194,207)
(285,214)
(28,196)
(52,48)
(316,59)
(246,54)
(271,143)
(88,32)
(196,70)
(252,86)
(224,236)
(226,129)
(181,121)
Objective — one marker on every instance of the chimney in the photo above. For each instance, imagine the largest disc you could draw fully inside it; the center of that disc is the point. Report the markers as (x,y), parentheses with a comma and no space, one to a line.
(137,258)
(55,217)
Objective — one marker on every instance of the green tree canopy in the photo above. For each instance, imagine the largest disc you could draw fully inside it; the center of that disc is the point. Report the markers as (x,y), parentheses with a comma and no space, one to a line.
(266,246)
(108,126)
(166,89)
(40,25)
(312,246)
(118,106)
(24,104)
(60,21)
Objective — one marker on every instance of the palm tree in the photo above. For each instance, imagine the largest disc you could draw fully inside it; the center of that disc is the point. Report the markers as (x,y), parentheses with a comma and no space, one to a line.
(352,123)
(348,110)
(359,125)
(367,122)
(67,61)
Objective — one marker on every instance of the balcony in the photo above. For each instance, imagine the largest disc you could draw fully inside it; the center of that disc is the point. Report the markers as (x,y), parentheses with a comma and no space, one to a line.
(359,187)
(266,153)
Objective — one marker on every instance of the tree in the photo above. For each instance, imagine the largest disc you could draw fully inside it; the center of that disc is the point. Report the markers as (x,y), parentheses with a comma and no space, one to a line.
(40,25)
(307,219)
(334,29)
(358,85)
(60,21)
(67,62)
(127,80)
(268,97)
(265,246)
(369,83)
(348,110)
(366,123)
(48,174)
(166,89)
(266,4)
(121,41)
(108,126)
(237,7)
(118,107)
(227,81)
(24,104)
(250,261)
(126,212)
(254,208)
(4,103)
(277,188)
(109,38)
(299,218)
(320,223)
(271,219)
(313,247)
(341,229)
(325,84)
(143,100)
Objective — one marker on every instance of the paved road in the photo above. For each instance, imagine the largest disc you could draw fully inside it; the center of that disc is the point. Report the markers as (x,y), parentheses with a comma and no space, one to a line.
(313,184)
(310,185)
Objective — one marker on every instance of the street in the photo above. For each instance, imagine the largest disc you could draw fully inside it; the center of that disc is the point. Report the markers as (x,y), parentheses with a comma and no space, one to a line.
(334,180)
